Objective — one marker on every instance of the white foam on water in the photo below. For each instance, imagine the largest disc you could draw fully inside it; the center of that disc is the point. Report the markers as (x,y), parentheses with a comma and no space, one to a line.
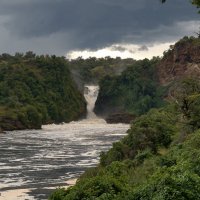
(14,182)
(10,167)
(90,153)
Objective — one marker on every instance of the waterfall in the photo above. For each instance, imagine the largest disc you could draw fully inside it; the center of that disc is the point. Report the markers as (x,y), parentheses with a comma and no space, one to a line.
(90,94)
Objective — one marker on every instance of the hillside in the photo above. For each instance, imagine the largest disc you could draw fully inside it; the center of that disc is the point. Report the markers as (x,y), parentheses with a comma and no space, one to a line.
(159,157)
(36,90)
(144,84)
(181,60)
(135,91)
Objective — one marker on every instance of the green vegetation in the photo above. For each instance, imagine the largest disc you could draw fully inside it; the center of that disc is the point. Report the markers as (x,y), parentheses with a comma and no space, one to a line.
(150,131)
(187,97)
(35,90)
(138,88)
(196,3)
(135,91)
(92,70)
(159,159)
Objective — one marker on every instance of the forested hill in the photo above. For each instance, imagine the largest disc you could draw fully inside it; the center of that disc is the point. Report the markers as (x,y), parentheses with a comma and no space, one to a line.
(36,90)
(135,91)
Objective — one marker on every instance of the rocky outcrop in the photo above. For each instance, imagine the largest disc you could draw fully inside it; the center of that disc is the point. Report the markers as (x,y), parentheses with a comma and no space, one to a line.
(182,60)
(125,118)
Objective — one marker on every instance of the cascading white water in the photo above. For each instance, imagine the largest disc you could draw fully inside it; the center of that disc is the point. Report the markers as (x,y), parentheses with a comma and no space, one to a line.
(90,94)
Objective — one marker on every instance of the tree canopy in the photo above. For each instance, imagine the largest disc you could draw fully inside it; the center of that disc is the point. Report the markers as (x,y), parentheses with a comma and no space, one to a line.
(194,2)
(35,90)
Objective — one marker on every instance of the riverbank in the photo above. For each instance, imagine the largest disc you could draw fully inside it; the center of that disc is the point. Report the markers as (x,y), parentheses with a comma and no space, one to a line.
(19,194)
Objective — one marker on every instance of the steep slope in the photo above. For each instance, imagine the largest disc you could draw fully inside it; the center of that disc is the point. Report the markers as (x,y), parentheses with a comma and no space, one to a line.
(144,84)
(181,60)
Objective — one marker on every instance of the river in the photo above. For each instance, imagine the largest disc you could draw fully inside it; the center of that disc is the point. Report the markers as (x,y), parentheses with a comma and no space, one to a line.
(35,162)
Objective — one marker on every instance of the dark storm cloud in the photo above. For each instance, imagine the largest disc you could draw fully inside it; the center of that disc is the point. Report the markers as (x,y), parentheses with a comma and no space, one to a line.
(94,23)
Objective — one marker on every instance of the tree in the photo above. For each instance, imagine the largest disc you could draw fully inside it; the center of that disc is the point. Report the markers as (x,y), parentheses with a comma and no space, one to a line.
(187,97)
(149,132)
(194,2)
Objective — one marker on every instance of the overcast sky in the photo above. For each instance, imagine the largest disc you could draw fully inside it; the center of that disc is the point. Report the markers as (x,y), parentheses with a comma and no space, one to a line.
(127,28)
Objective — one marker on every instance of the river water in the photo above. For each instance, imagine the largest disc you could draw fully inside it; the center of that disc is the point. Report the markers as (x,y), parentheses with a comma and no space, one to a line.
(35,162)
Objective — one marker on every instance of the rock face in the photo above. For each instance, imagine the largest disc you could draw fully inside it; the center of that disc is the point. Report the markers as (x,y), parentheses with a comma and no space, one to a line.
(125,118)
(182,60)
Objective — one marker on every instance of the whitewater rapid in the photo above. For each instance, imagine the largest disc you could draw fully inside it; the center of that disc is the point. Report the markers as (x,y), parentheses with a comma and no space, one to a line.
(34,162)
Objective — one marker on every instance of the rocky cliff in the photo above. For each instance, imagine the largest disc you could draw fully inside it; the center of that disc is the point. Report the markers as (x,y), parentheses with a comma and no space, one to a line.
(145,84)
(181,60)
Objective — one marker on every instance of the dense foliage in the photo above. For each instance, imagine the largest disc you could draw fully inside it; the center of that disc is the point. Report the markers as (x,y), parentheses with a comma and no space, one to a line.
(148,132)
(159,159)
(194,2)
(35,90)
(92,70)
(135,91)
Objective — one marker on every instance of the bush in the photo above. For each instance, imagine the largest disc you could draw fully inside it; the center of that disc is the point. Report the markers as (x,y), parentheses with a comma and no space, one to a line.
(148,132)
